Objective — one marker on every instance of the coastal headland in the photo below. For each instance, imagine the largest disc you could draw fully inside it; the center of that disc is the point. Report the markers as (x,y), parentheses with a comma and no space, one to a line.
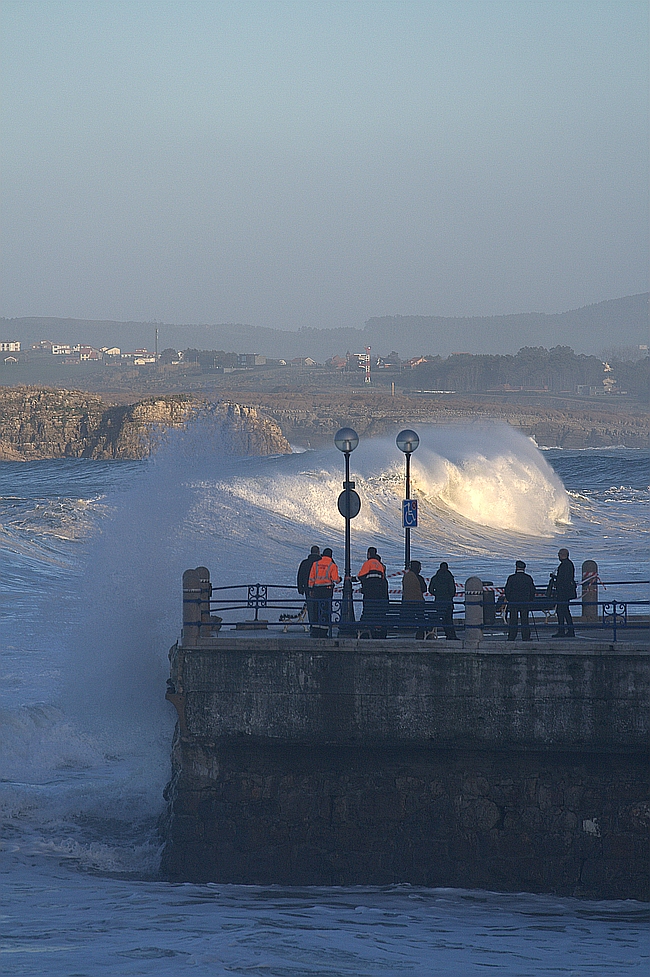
(46,422)
(40,423)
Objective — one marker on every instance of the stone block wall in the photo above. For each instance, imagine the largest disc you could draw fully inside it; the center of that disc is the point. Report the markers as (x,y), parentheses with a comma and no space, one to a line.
(501,770)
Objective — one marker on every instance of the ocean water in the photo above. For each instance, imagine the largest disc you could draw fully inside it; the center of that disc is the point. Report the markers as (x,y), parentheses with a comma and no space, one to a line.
(90,602)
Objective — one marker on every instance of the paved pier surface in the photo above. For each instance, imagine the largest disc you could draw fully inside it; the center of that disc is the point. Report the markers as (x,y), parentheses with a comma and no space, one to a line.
(508,766)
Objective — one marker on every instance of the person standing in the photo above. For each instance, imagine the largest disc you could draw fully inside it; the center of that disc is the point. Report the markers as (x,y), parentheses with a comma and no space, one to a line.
(519,593)
(565,591)
(443,588)
(414,587)
(374,587)
(323,574)
(302,579)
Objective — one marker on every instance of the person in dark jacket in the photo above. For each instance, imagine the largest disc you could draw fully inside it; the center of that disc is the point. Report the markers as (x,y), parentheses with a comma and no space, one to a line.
(565,590)
(302,580)
(374,587)
(519,593)
(443,587)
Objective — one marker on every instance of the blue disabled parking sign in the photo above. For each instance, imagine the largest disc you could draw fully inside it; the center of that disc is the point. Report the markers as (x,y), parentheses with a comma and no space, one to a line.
(409,513)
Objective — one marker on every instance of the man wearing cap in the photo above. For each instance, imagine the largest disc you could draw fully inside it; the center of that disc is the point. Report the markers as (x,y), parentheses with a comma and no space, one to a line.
(519,593)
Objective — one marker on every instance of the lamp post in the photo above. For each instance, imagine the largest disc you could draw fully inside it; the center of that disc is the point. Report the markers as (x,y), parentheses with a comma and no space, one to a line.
(407,441)
(349,505)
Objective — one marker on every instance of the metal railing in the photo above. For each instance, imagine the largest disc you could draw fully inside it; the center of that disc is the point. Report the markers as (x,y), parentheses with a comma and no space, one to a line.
(611,615)
(282,608)
(207,610)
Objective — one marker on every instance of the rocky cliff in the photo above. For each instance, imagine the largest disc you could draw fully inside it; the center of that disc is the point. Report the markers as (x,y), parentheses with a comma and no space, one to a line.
(313,418)
(38,423)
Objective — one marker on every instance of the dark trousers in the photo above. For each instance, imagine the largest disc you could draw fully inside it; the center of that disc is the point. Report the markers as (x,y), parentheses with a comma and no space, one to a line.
(319,610)
(412,612)
(374,615)
(564,619)
(446,609)
(518,615)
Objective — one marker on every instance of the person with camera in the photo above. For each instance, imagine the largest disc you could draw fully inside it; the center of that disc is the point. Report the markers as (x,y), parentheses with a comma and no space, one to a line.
(565,591)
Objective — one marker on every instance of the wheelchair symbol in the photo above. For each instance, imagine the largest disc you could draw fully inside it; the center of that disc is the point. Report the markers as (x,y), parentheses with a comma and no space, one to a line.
(409,513)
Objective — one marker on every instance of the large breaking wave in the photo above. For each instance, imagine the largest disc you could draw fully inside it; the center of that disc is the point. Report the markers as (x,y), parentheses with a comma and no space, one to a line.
(480,489)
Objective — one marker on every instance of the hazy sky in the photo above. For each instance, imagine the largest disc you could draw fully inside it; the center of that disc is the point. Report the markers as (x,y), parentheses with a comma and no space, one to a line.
(317,163)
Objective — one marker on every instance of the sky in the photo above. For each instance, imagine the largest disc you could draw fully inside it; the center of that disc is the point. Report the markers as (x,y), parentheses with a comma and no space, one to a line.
(316,163)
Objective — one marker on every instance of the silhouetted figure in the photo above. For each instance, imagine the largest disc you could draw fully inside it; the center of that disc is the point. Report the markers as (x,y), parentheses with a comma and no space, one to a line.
(323,575)
(443,587)
(414,587)
(374,588)
(302,580)
(520,593)
(565,590)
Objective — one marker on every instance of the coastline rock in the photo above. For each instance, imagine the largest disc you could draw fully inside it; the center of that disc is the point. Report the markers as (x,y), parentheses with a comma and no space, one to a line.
(41,423)
(313,420)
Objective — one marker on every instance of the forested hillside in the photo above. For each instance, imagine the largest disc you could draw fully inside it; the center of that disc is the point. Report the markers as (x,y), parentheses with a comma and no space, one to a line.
(558,369)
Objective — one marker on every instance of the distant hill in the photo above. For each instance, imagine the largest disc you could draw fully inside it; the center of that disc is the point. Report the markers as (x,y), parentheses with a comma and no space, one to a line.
(620,322)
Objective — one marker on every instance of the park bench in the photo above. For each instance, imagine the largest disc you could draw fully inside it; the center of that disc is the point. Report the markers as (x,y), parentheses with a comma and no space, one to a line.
(396,618)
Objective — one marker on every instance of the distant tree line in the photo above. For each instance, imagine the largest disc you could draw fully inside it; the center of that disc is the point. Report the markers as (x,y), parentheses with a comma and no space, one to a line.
(533,368)
(633,377)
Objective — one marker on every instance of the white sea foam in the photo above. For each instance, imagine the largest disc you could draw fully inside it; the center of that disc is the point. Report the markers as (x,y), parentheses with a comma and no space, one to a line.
(503,484)
(492,477)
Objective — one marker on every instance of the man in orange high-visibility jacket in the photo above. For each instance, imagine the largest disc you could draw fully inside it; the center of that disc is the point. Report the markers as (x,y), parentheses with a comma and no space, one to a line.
(374,588)
(323,575)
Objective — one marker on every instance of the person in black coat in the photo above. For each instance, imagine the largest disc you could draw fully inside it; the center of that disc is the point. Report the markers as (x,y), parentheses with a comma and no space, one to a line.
(443,587)
(519,593)
(565,590)
(302,580)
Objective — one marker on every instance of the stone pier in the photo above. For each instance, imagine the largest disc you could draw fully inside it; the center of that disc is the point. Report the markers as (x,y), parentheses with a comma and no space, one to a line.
(500,766)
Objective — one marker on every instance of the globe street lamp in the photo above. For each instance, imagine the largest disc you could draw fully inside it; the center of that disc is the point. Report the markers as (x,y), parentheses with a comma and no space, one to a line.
(407,441)
(349,505)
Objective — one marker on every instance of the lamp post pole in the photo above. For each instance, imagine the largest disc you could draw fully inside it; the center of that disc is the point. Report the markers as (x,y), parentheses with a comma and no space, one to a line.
(407,530)
(347,576)
(407,441)
(349,505)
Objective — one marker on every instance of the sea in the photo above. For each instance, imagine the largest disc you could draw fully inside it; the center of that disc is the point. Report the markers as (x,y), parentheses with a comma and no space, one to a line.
(90,602)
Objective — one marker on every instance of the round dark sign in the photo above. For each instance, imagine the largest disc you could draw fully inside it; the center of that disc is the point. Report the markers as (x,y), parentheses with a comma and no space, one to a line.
(349,504)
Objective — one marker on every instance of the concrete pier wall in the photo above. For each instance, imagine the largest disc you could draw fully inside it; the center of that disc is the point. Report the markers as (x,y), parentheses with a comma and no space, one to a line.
(300,761)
